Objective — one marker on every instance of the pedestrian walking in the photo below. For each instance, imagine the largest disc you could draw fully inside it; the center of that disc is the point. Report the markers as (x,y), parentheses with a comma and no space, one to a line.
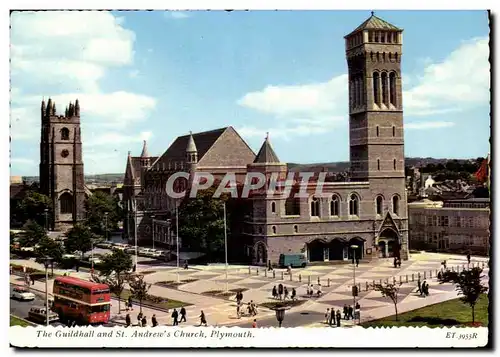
(350,312)
(357,262)
(144,321)
(345,311)
(327,315)
(444,264)
(238,309)
(285,292)
(294,294)
(468,258)
(275,292)
(183,314)
(130,304)
(280,291)
(332,317)
(338,315)
(203,319)
(139,318)
(128,320)
(320,292)
(175,316)
(154,322)
(186,265)
(254,323)
(419,286)
(269,266)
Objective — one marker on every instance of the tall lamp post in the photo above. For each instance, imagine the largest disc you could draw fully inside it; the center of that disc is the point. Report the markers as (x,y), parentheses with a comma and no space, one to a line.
(46,210)
(153,229)
(106,225)
(135,233)
(177,236)
(354,287)
(225,244)
(47,308)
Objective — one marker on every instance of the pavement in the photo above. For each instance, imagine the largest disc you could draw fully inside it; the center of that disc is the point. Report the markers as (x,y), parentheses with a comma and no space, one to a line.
(257,283)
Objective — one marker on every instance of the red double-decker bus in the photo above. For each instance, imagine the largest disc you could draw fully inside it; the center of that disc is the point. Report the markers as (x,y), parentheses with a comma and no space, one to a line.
(80,300)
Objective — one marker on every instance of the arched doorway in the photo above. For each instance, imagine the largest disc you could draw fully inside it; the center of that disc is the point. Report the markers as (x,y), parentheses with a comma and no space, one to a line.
(260,253)
(360,242)
(337,249)
(388,243)
(316,250)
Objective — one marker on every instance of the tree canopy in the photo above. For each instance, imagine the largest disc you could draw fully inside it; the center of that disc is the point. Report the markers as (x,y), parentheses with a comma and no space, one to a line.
(79,238)
(139,288)
(33,234)
(96,207)
(32,207)
(50,248)
(201,223)
(118,261)
(390,290)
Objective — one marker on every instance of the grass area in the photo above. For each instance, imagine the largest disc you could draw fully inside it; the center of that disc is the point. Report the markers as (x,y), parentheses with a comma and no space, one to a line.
(174,284)
(290,303)
(155,301)
(448,313)
(14,321)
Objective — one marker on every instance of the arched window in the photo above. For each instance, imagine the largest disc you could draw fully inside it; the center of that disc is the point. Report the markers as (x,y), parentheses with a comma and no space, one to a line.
(376,84)
(273,207)
(66,203)
(64,134)
(378,164)
(295,229)
(315,207)
(334,206)
(392,87)
(274,229)
(353,205)
(378,131)
(395,205)
(384,89)
(379,202)
(393,130)
(394,162)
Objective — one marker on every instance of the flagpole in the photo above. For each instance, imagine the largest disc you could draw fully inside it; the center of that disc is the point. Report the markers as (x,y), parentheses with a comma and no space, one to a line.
(177,234)
(225,243)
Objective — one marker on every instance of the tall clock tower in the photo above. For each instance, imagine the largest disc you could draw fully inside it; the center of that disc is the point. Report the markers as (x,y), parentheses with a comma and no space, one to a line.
(61,164)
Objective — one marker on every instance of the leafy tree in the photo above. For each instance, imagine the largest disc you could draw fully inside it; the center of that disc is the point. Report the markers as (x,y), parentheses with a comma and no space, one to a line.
(390,290)
(118,262)
(99,206)
(79,238)
(116,283)
(47,247)
(33,234)
(13,237)
(138,288)
(467,283)
(32,207)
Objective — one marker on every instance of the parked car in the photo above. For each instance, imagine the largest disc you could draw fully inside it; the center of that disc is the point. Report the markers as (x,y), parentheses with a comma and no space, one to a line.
(144,252)
(39,314)
(131,250)
(105,244)
(120,246)
(23,294)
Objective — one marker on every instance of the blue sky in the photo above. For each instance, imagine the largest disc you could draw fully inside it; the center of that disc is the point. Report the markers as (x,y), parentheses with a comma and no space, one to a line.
(156,75)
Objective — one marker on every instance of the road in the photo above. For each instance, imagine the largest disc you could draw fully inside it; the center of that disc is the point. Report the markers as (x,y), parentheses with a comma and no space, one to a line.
(22,308)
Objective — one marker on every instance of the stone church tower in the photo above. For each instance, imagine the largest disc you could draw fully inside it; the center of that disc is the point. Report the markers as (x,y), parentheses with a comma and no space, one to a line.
(61,164)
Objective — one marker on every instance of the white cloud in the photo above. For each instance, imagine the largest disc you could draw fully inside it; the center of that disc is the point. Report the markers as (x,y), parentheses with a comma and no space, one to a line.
(459,82)
(429,125)
(177,14)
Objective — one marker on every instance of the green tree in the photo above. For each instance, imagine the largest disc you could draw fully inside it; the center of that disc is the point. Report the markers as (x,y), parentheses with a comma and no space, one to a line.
(467,283)
(99,206)
(116,283)
(391,291)
(47,247)
(201,223)
(116,262)
(79,238)
(33,234)
(138,288)
(33,206)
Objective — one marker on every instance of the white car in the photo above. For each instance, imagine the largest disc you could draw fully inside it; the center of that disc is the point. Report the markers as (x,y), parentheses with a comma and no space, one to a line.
(22,294)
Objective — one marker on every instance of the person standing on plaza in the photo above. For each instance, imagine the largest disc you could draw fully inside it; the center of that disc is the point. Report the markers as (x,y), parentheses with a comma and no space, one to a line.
(338,317)
(175,316)
(357,311)
(183,314)
(154,322)
(128,320)
(285,292)
(332,317)
(144,321)
(254,323)
(419,286)
(468,258)
(345,311)
(320,292)
(327,316)
(350,312)
(294,294)
(139,318)
(269,266)
(130,304)
(280,291)
(238,309)
(275,292)
(203,319)
(357,262)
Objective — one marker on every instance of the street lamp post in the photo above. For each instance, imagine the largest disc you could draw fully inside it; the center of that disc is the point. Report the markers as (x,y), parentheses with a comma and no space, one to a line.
(225,244)
(106,225)
(177,235)
(153,229)
(135,233)
(47,308)
(354,288)
(280,313)
(46,219)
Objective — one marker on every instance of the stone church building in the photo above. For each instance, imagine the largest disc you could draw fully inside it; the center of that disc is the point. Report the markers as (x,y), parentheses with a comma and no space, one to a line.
(368,210)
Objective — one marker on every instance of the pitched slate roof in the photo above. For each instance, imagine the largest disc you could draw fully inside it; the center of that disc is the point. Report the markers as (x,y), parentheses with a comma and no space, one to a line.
(177,150)
(134,168)
(375,23)
(266,154)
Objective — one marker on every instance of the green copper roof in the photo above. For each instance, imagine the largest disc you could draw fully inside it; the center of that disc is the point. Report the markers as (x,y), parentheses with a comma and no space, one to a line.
(375,23)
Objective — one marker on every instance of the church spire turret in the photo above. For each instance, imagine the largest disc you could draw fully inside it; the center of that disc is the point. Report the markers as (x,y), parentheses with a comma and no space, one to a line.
(191,150)
(144,153)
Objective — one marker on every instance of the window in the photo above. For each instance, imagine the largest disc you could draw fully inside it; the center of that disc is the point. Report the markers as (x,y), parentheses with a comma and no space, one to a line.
(376,37)
(315,207)
(392,87)
(379,202)
(376,84)
(395,205)
(378,131)
(64,134)
(334,206)
(66,203)
(274,229)
(378,164)
(394,164)
(353,205)
(295,229)
(393,130)
(384,89)
(292,206)
(273,207)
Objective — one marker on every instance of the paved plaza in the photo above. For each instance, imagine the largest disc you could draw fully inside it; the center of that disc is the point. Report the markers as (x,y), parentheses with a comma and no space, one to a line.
(202,283)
